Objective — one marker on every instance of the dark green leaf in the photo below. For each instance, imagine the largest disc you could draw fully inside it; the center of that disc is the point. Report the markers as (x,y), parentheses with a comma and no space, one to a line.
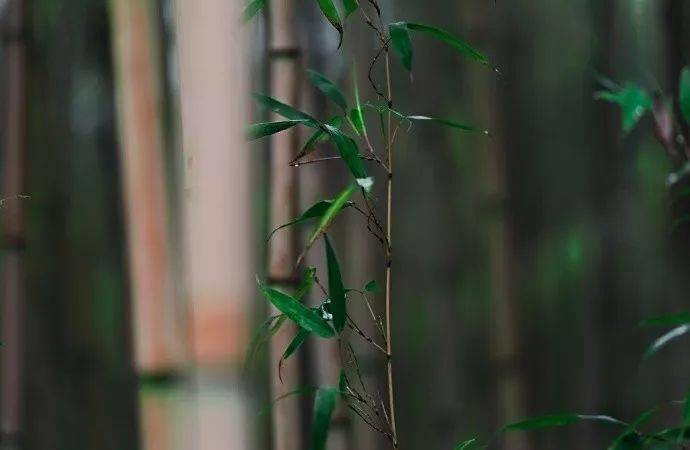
(685,93)
(400,38)
(666,338)
(297,312)
(328,87)
(318,137)
(633,100)
(630,435)
(265,331)
(557,420)
(350,6)
(299,391)
(372,287)
(336,290)
(349,151)
(448,123)
(259,130)
(315,211)
(284,110)
(686,410)
(306,283)
(670,319)
(357,113)
(342,384)
(327,217)
(253,9)
(331,12)
(466,444)
(324,404)
(296,343)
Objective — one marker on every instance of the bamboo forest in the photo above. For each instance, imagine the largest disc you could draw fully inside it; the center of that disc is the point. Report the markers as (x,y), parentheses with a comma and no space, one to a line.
(344,224)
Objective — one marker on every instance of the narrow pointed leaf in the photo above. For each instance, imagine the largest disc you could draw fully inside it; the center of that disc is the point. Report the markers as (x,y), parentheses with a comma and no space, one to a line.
(466,444)
(295,344)
(685,93)
(303,316)
(557,420)
(349,152)
(259,130)
(350,6)
(252,9)
(631,433)
(666,338)
(265,331)
(372,287)
(324,404)
(318,137)
(448,123)
(329,10)
(315,211)
(298,391)
(461,46)
(400,38)
(670,319)
(285,110)
(306,284)
(330,214)
(328,87)
(686,410)
(336,290)
(357,113)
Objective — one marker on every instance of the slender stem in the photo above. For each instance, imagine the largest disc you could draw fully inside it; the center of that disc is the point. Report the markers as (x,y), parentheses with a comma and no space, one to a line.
(389,341)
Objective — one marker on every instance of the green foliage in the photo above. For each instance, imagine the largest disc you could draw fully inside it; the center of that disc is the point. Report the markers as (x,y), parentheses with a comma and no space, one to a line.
(329,215)
(372,287)
(669,319)
(331,13)
(315,211)
(324,404)
(328,87)
(259,130)
(350,6)
(557,420)
(252,9)
(634,101)
(336,290)
(684,89)
(318,137)
(284,110)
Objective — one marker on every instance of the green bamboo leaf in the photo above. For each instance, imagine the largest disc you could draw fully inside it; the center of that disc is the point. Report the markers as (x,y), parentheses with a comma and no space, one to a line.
(372,287)
(295,344)
(342,384)
(252,9)
(666,338)
(298,391)
(466,444)
(336,290)
(557,420)
(285,110)
(266,331)
(399,33)
(324,404)
(313,212)
(630,438)
(669,319)
(303,316)
(357,113)
(400,38)
(259,130)
(307,283)
(318,137)
(448,123)
(328,88)
(686,410)
(330,214)
(685,93)
(633,100)
(350,6)
(331,12)
(349,151)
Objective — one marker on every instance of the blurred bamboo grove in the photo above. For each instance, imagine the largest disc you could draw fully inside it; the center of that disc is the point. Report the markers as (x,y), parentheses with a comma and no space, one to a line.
(135,214)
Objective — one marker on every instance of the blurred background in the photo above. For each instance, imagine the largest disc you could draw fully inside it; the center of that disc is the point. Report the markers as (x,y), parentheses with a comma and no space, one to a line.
(135,217)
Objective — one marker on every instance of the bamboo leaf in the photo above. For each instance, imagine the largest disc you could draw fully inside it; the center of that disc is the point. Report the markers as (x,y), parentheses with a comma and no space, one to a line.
(259,130)
(318,137)
(315,211)
(252,9)
(324,404)
(633,100)
(666,338)
(331,12)
(669,319)
(328,88)
(350,6)
(400,38)
(298,391)
(304,317)
(349,152)
(336,290)
(557,420)
(295,344)
(399,33)
(448,123)
(630,435)
(466,444)
(372,287)
(265,331)
(685,93)
(307,283)
(686,410)
(357,113)
(285,110)
(330,214)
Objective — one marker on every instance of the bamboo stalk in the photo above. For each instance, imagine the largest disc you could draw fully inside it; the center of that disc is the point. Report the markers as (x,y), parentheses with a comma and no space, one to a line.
(285,67)
(14,167)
